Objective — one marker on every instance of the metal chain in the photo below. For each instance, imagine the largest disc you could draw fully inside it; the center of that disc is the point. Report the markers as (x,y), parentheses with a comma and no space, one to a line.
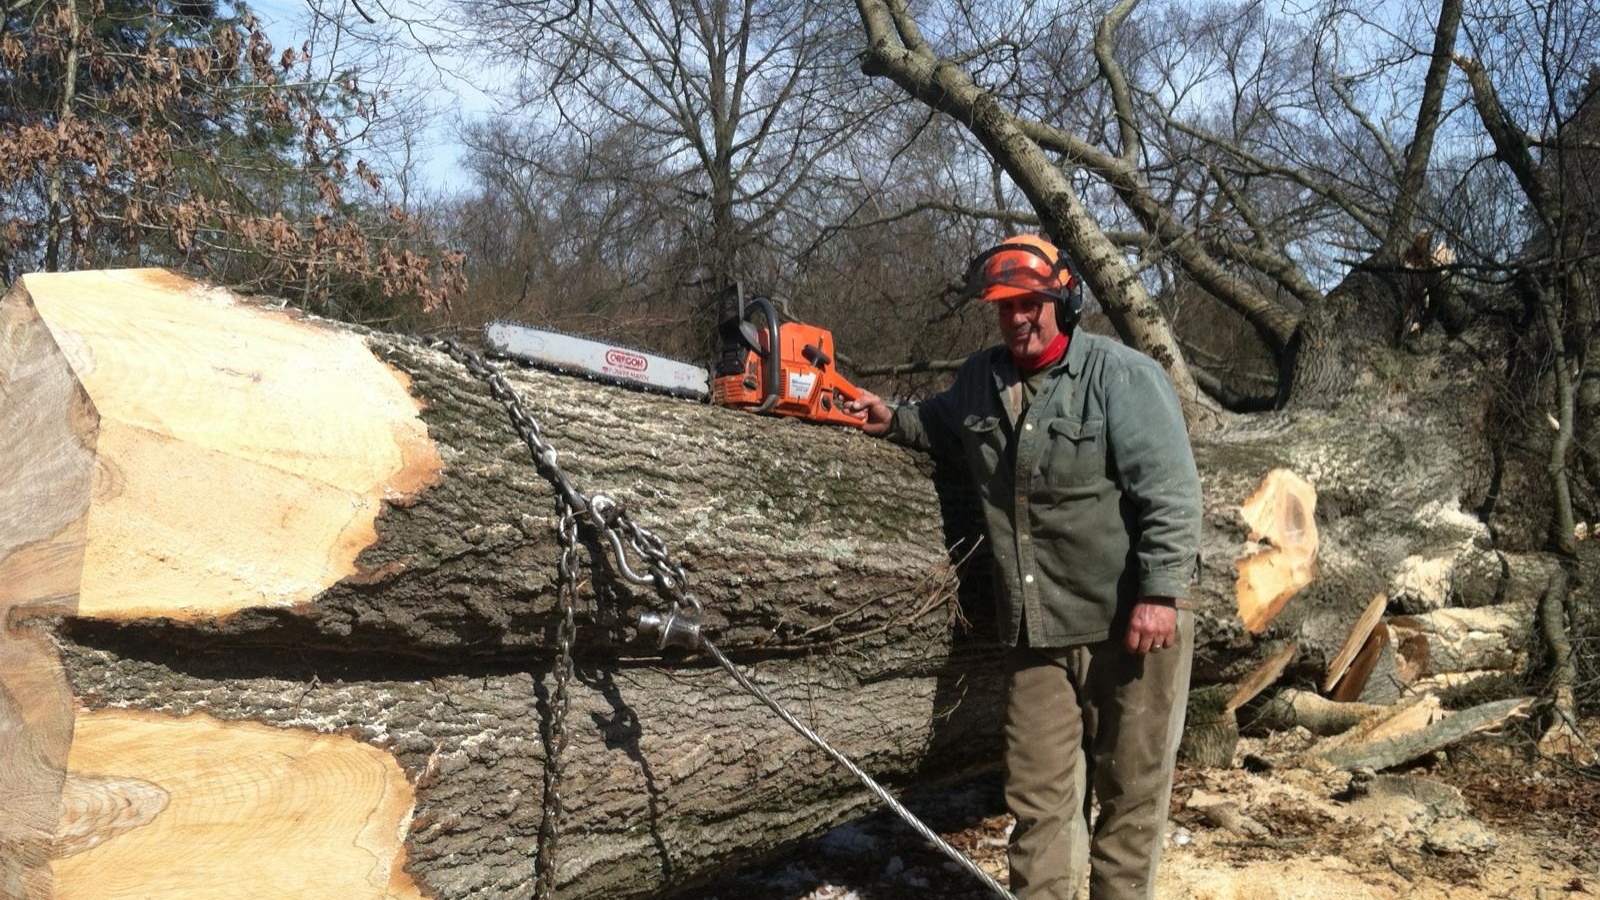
(570,503)
(677,627)
(555,739)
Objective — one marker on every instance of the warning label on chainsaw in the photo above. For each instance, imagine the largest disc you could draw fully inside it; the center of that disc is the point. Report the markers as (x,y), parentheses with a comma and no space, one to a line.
(801,384)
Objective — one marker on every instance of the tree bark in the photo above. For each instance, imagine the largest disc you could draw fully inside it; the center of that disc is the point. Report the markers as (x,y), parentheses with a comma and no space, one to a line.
(1383,753)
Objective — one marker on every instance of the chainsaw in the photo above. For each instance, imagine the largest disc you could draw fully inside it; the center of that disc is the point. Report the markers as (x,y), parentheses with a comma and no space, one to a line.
(779,368)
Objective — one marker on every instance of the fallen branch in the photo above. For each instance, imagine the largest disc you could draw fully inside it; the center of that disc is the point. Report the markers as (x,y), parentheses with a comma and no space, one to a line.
(1295,708)
(1389,752)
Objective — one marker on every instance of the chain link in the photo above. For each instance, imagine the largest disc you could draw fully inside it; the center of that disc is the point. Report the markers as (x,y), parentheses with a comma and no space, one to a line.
(670,580)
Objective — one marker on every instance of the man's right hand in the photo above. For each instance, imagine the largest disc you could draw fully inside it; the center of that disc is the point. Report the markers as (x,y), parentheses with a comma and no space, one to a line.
(877,412)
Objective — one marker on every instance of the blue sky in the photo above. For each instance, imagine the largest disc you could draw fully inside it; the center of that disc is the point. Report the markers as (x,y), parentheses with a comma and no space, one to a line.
(446,87)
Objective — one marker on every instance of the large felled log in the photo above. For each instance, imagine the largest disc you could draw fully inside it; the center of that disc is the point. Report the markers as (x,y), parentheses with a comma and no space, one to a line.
(281,548)
(1396,479)
(229,516)
(1452,640)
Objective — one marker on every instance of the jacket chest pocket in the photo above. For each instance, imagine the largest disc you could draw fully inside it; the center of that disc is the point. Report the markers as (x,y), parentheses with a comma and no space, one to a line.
(984,441)
(1076,453)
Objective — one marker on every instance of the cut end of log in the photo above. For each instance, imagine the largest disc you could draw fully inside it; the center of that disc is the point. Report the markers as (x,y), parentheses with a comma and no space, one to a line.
(243,452)
(195,807)
(1281,514)
(47,470)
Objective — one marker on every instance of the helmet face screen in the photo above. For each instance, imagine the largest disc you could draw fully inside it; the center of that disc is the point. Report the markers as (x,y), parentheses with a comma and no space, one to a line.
(1015,269)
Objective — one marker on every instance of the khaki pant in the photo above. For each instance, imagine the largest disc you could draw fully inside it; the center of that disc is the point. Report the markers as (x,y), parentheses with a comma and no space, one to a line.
(1123,715)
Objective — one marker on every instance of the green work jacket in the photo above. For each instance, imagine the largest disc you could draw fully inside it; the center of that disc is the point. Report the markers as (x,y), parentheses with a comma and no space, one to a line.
(1091,500)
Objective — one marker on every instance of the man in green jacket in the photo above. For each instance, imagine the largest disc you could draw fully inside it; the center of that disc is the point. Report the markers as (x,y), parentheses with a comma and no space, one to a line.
(1077,448)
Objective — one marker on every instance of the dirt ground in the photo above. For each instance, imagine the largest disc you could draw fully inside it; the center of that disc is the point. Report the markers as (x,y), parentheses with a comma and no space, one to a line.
(1488,820)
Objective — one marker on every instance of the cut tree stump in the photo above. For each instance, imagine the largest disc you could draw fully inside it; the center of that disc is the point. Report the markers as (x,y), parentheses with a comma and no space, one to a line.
(1210,729)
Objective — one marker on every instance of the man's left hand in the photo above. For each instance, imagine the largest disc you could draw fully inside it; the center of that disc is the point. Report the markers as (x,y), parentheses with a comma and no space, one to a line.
(1153,625)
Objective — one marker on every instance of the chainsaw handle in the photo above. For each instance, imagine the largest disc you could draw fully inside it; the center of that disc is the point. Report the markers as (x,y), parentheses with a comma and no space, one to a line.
(773,359)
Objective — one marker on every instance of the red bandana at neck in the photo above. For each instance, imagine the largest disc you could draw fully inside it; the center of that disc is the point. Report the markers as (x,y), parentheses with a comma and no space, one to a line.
(1051,355)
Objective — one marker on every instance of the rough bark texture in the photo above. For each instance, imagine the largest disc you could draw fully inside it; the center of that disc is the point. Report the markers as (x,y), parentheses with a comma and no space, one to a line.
(1385,752)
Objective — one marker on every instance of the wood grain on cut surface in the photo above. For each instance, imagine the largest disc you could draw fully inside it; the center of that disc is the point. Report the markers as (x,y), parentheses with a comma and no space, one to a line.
(48,429)
(1281,514)
(192,808)
(244,458)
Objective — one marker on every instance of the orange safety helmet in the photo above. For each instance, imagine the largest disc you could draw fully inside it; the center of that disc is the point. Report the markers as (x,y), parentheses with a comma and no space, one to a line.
(1025,265)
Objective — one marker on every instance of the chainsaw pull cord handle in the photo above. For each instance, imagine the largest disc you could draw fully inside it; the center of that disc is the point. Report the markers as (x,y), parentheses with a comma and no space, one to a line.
(773,361)
(841,390)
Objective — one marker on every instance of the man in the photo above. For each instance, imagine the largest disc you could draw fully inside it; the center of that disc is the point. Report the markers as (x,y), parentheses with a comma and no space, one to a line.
(1078,451)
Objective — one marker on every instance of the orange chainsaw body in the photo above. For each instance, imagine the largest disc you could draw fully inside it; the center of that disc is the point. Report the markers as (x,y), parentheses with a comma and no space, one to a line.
(786,369)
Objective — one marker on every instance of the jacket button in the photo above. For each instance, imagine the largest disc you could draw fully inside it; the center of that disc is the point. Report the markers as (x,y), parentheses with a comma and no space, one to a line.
(1028,426)
(1028,578)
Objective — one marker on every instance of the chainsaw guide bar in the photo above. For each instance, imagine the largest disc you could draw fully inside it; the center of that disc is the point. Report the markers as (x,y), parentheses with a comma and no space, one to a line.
(570,354)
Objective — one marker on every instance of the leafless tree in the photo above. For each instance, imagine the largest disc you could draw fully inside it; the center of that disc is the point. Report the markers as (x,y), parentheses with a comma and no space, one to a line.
(175,134)
(711,126)
(1238,157)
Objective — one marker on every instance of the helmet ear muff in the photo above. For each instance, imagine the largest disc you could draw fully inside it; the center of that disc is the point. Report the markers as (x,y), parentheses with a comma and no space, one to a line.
(1069,307)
